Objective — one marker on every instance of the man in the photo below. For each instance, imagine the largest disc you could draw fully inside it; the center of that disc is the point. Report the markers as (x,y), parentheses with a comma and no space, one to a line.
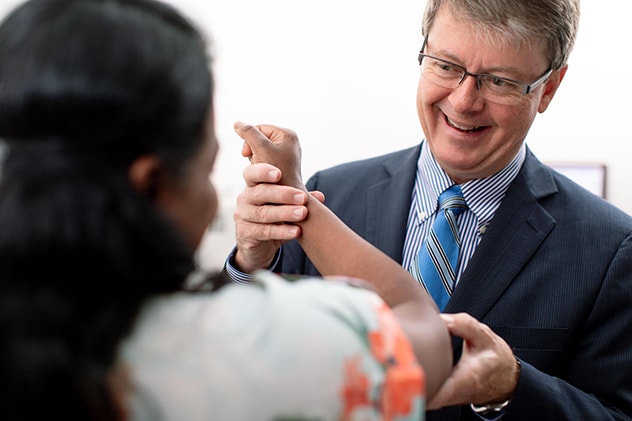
(544,267)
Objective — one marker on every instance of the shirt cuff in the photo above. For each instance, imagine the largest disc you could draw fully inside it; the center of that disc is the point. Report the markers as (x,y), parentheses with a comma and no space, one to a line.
(241,278)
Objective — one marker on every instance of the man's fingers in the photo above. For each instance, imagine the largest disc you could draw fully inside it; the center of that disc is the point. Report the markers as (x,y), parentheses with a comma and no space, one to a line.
(261,193)
(270,232)
(320,196)
(261,173)
(266,203)
(270,214)
(465,326)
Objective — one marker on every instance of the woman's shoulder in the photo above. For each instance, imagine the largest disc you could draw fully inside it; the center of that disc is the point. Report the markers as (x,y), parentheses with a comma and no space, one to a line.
(268,295)
(269,345)
(270,308)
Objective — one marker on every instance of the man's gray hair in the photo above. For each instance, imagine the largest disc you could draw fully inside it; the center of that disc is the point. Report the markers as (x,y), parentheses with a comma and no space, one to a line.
(550,22)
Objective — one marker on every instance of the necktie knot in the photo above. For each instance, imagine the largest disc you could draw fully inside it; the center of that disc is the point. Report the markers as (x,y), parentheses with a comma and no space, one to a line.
(452,199)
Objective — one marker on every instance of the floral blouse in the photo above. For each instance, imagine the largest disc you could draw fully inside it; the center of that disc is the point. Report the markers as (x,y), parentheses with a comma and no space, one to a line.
(272,350)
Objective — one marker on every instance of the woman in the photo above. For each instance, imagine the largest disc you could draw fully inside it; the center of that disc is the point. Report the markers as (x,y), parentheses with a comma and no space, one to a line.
(106,123)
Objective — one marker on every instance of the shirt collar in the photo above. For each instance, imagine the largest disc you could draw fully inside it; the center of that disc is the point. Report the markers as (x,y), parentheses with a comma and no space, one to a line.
(483,195)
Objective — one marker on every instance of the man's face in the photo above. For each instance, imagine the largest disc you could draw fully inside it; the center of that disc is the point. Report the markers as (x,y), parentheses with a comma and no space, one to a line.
(469,136)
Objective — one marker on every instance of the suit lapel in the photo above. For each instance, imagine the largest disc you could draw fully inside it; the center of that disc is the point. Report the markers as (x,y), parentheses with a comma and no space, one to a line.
(518,228)
(389,201)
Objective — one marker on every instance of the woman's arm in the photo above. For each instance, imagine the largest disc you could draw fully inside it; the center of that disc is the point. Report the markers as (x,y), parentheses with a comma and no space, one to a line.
(336,250)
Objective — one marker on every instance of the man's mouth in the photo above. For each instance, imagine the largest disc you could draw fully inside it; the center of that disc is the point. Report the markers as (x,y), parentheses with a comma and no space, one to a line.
(469,129)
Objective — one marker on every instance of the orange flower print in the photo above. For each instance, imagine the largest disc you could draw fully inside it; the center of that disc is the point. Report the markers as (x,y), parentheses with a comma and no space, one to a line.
(404,385)
(355,391)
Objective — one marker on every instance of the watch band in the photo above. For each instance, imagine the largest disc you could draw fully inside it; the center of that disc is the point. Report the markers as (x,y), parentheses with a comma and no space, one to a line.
(489,408)
(494,408)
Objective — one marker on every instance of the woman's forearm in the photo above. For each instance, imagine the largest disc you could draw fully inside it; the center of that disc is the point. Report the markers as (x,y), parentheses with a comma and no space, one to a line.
(336,250)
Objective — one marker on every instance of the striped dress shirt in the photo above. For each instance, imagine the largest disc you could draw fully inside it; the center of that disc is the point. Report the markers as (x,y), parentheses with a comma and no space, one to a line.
(483,196)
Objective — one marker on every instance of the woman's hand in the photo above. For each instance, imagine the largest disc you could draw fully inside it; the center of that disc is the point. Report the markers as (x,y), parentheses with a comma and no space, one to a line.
(276,146)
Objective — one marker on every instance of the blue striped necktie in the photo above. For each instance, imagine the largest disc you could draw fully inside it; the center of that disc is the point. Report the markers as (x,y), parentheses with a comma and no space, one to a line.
(435,266)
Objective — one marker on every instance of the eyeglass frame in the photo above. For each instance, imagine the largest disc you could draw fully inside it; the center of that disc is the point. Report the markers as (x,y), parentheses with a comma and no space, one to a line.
(526,88)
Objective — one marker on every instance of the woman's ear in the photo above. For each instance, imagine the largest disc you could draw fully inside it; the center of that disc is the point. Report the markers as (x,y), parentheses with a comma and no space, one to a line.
(144,175)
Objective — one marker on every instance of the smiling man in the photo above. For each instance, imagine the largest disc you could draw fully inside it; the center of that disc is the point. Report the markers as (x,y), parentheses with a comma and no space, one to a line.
(538,297)
(476,123)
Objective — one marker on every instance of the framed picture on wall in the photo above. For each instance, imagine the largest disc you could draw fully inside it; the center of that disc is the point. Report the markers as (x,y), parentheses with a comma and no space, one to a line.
(591,176)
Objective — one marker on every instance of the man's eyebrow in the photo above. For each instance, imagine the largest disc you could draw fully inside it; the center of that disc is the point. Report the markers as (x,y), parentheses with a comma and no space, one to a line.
(446,55)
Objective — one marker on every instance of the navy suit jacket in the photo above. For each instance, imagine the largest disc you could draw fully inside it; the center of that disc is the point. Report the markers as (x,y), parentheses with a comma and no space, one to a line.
(552,275)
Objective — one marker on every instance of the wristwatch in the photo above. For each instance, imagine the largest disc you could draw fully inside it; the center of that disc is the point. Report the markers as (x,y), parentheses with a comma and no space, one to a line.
(489,409)
(494,408)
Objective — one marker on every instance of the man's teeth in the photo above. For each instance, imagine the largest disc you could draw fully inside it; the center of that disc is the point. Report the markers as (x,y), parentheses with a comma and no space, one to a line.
(464,128)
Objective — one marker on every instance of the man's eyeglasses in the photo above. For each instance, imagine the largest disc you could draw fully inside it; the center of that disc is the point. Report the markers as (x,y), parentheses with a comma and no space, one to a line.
(491,87)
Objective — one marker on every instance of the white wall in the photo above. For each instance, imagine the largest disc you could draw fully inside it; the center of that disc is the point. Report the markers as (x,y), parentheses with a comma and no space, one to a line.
(343,74)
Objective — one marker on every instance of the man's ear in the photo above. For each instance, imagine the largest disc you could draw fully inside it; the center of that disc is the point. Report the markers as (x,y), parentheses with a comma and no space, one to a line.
(144,175)
(550,87)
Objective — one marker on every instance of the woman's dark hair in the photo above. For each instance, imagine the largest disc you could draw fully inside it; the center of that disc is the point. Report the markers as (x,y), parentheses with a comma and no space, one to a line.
(86,87)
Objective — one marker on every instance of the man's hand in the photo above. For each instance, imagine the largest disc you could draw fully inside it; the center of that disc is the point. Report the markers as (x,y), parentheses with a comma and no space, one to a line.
(267,209)
(487,371)
(264,216)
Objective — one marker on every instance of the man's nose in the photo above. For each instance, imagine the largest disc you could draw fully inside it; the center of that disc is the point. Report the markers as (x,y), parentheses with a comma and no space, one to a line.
(467,94)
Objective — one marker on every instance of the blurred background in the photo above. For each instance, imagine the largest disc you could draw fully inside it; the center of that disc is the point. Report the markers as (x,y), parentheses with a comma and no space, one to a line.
(343,74)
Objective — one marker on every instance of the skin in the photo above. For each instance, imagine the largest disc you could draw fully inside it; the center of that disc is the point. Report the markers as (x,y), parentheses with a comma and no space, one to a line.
(501,129)
(269,214)
(261,226)
(190,199)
